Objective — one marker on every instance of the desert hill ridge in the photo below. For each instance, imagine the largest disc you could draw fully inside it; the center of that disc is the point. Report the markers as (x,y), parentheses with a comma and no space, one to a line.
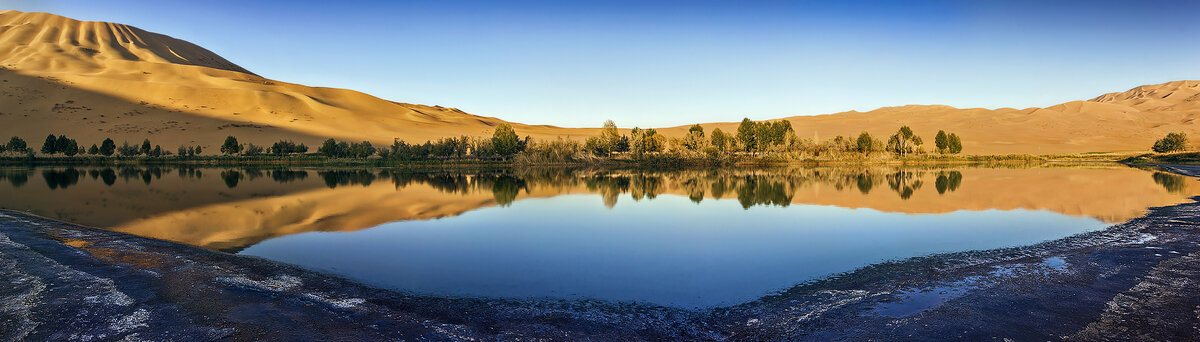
(94,80)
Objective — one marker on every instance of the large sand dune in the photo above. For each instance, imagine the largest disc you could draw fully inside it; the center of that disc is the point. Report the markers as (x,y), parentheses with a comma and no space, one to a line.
(93,80)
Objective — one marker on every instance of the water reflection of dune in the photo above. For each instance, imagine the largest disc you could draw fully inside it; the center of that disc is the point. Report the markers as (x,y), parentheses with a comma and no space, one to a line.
(234,208)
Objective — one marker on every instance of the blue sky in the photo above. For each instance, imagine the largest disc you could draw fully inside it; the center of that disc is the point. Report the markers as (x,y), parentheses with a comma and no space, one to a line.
(641,63)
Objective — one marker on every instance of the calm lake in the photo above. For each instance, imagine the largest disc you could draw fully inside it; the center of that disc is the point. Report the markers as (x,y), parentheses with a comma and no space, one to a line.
(690,238)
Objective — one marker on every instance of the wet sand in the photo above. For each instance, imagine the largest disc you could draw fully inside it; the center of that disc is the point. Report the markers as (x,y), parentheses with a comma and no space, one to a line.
(1132,281)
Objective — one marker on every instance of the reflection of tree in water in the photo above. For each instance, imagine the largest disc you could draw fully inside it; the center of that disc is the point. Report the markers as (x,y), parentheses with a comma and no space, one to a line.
(335,178)
(128,173)
(694,189)
(505,189)
(762,190)
(109,176)
(61,178)
(252,174)
(231,178)
(947,181)
(864,182)
(609,187)
(17,177)
(904,183)
(643,186)
(1172,182)
(719,187)
(287,176)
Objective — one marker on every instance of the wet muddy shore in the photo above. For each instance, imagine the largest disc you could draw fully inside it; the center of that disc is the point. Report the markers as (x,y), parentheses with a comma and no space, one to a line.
(1132,281)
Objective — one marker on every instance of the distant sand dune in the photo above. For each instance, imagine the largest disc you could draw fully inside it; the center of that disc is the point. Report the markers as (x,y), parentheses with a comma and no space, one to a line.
(93,80)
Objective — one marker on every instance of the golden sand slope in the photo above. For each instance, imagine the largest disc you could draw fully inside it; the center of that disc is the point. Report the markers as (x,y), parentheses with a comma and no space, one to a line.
(92,80)
(1126,121)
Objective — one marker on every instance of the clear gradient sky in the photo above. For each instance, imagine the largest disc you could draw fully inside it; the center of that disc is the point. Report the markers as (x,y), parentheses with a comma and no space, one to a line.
(640,63)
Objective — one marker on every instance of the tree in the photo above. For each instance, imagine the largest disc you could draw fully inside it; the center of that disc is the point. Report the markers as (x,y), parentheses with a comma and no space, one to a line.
(694,140)
(197,152)
(51,145)
(93,150)
(505,140)
(283,147)
(361,150)
(16,144)
(183,151)
(146,147)
(942,142)
(157,151)
(62,143)
(231,146)
(252,150)
(865,143)
(955,143)
(108,147)
(746,133)
(1173,142)
(126,150)
(70,147)
(720,140)
(904,141)
(609,136)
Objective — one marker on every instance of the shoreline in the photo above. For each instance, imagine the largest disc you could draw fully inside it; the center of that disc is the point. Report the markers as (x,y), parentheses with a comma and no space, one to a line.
(1127,281)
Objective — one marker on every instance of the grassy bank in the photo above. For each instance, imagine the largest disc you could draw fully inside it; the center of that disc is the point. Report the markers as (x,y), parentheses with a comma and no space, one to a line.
(1164,158)
(662,159)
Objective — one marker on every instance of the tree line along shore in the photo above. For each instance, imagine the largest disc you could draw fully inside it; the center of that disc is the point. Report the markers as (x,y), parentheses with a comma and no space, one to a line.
(754,142)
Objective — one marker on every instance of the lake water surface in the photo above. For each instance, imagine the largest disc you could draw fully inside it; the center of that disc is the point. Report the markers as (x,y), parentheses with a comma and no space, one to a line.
(690,238)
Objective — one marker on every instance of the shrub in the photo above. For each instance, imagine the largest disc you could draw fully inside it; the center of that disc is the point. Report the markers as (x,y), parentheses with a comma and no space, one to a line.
(1173,142)
(108,147)
(16,144)
(283,147)
(231,146)
(252,150)
(126,150)
(505,141)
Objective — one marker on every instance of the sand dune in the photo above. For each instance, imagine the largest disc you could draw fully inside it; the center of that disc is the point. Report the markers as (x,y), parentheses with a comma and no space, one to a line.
(92,80)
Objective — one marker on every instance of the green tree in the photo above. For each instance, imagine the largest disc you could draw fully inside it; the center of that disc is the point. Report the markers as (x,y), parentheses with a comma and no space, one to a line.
(231,146)
(955,143)
(127,150)
(746,132)
(1173,142)
(942,142)
(505,140)
(61,144)
(50,146)
(70,147)
(610,138)
(720,140)
(108,147)
(694,140)
(146,147)
(16,144)
(866,143)
(93,150)
(252,150)
(329,148)
(904,141)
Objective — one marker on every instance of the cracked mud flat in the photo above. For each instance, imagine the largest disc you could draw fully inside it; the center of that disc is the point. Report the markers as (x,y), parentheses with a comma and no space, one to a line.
(1133,281)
